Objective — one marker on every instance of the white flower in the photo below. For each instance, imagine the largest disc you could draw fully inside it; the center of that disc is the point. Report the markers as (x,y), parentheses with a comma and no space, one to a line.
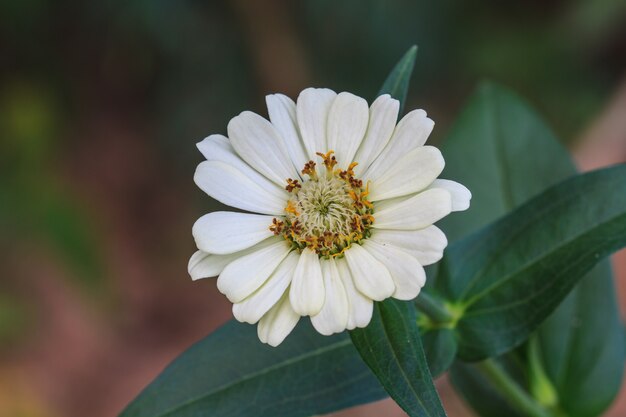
(344,203)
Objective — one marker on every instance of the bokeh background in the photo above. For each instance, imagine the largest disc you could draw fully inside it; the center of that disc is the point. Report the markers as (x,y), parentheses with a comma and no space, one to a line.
(101,104)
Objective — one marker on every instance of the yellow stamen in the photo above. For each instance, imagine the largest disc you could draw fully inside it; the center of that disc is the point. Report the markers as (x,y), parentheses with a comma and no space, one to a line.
(329,161)
(292,185)
(309,169)
(291,208)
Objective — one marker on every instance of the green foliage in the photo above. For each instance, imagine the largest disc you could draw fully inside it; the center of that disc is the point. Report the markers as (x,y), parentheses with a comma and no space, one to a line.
(498,129)
(34,205)
(392,348)
(509,277)
(440,347)
(231,373)
(581,346)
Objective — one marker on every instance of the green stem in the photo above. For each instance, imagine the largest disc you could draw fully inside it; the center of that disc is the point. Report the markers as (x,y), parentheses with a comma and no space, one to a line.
(433,308)
(540,385)
(510,390)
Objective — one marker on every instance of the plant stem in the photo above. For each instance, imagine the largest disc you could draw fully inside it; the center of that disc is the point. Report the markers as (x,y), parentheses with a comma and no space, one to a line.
(510,390)
(433,308)
(540,385)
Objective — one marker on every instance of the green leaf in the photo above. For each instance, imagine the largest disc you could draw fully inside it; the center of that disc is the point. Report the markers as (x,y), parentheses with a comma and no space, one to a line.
(397,82)
(508,277)
(440,347)
(392,348)
(495,132)
(480,393)
(581,347)
(503,152)
(230,373)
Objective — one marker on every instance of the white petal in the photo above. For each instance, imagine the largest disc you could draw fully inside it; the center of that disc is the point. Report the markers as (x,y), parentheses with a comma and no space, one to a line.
(204,265)
(312,114)
(347,122)
(382,121)
(412,173)
(218,148)
(408,275)
(425,245)
(259,144)
(277,323)
(240,187)
(282,112)
(411,132)
(416,212)
(255,306)
(224,232)
(360,307)
(307,288)
(243,276)
(207,265)
(206,146)
(333,318)
(461,196)
(370,275)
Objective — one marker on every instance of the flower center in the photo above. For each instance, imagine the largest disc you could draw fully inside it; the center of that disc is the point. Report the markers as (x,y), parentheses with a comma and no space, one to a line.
(327,212)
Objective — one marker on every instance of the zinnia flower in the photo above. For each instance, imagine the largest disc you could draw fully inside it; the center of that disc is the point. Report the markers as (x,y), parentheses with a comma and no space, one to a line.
(339,204)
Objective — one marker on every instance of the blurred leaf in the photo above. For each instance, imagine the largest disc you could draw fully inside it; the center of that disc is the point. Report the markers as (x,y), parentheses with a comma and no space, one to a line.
(581,347)
(440,347)
(397,83)
(230,373)
(391,347)
(64,224)
(14,319)
(479,392)
(44,212)
(29,121)
(503,152)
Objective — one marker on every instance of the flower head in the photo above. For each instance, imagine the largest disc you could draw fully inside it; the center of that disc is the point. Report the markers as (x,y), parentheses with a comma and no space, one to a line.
(342,203)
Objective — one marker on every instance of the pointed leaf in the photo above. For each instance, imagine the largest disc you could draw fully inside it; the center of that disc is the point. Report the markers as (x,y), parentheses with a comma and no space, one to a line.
(511,275)
(230,373)
(392,348)
(397,83)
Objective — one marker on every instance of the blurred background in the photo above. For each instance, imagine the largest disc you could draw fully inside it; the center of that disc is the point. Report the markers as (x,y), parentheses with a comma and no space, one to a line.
(101,104)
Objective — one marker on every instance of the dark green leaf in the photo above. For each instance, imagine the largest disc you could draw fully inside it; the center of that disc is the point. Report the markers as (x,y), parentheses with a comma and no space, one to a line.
(440,348)
(230,373)
(511,275)
(397,83)
(392,348)
(479,392)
